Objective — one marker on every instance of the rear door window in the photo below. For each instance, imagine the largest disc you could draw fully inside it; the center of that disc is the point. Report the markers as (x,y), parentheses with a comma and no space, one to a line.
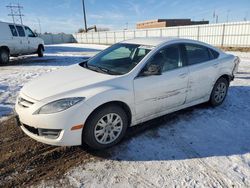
(20,31)
(13,30)
(214,54)
(197,54)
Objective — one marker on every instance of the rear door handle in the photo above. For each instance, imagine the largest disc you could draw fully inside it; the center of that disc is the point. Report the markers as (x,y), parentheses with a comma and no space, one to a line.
(183,75)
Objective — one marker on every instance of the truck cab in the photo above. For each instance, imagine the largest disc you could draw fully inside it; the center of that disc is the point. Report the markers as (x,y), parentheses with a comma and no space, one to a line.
(16,40)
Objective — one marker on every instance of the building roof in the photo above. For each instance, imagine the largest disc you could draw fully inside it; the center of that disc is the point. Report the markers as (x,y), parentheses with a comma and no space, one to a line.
(163,20)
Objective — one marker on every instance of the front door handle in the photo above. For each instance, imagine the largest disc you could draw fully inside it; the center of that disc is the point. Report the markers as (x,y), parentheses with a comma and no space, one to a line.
(215,65)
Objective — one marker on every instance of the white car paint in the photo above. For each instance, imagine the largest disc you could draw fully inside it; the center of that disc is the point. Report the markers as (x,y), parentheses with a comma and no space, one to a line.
(18,45)
(147,97)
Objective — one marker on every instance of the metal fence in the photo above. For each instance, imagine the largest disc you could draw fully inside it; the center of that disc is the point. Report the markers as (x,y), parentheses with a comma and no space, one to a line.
(234,34)
(57,38)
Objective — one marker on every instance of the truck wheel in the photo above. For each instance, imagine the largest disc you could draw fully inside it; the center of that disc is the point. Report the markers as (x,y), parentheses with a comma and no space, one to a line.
(219,92)
(4,56)
(105,127)
(40,51)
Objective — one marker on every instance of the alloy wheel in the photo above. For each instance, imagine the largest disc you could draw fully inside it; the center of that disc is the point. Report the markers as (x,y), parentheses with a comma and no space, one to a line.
(108,128)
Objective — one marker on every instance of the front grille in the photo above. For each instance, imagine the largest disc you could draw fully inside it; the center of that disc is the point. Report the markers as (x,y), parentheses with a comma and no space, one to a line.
(25,103)
(48,133)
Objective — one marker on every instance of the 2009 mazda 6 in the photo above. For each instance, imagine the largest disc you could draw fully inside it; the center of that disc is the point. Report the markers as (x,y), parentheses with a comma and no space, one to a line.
(133,81)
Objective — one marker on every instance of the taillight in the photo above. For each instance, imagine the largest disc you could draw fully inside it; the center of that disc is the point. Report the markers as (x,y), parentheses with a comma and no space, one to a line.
(236,65)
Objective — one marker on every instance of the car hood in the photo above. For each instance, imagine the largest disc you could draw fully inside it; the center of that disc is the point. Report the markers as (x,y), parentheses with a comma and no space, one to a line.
(63,81)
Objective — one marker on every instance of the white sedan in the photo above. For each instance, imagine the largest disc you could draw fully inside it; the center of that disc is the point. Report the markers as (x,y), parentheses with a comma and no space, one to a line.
(131,82)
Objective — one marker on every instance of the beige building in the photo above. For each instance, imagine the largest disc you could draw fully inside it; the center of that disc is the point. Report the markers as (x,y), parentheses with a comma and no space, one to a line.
(167,23)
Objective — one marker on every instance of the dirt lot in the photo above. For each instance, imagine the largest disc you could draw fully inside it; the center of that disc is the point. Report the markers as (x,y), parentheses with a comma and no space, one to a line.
(25,162)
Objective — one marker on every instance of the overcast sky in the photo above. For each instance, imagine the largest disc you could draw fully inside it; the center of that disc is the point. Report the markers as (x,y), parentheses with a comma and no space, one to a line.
(66,15)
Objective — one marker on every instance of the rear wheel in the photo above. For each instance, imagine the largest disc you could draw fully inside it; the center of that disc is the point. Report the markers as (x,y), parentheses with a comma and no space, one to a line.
(4,56)
(40,51)
(219,92)
(105,127)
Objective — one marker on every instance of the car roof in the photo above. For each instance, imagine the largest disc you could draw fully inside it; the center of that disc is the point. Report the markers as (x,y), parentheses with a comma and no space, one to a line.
(156,41)
(150,41)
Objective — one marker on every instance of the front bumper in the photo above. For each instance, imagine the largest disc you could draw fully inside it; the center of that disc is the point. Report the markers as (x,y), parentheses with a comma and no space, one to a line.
(43,127)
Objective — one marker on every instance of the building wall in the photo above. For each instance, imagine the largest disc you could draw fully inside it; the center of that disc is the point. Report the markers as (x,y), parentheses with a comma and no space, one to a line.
(235,34)
(152,24)
(57,38)
(168,23)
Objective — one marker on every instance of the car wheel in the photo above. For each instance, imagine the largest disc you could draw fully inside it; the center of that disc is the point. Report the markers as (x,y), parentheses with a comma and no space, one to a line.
(4,56)
(105,127)
(40,51)
(219,92)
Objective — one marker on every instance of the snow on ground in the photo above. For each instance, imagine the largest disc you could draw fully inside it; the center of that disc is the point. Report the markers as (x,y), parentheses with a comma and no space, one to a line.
(196,147)
(23,69)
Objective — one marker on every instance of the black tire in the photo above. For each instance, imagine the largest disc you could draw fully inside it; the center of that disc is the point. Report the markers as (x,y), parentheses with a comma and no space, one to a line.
(40,51)
(216,99)
(4,56)
(88,134)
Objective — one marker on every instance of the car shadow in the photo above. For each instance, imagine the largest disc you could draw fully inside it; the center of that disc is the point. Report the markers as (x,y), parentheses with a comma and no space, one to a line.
(196,132)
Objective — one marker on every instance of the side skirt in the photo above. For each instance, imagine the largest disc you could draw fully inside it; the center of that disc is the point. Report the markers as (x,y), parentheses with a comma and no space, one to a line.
(205,99)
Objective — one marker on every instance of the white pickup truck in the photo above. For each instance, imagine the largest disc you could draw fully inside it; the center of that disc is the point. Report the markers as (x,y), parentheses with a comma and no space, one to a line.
(18,40)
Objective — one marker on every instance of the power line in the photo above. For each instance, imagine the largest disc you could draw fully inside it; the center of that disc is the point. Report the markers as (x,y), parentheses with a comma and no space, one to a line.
(16,13)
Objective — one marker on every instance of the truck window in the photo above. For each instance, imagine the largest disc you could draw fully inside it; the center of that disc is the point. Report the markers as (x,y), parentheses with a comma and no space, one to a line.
(20,31)
(29,32)
(13,30)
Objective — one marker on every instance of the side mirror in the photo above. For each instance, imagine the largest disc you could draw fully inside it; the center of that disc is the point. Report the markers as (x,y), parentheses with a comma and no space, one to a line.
(152,69)
(36,35)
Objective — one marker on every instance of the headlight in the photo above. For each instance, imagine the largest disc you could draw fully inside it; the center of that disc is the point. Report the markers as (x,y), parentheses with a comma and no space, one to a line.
(59,105)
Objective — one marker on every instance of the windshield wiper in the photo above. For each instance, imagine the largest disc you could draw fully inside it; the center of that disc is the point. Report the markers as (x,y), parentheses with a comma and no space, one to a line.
(97,69)
(101,69)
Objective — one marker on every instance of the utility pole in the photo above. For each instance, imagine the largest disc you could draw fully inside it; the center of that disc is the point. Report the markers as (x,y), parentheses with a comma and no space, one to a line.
(217,18)
(39,24)
(85,18)
(16,13)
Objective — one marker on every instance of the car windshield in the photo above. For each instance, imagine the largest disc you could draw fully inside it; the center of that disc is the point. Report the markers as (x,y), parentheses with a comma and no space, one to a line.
(118,59)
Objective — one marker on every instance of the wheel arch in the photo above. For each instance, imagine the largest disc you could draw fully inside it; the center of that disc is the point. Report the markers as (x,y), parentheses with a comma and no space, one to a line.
(121,104)
(42,46)
(6,48)
(225,76)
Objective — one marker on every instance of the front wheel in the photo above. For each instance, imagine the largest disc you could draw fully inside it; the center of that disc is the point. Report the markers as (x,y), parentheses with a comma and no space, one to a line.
(219,92)
(4,56)
(105,127)
(40,51)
